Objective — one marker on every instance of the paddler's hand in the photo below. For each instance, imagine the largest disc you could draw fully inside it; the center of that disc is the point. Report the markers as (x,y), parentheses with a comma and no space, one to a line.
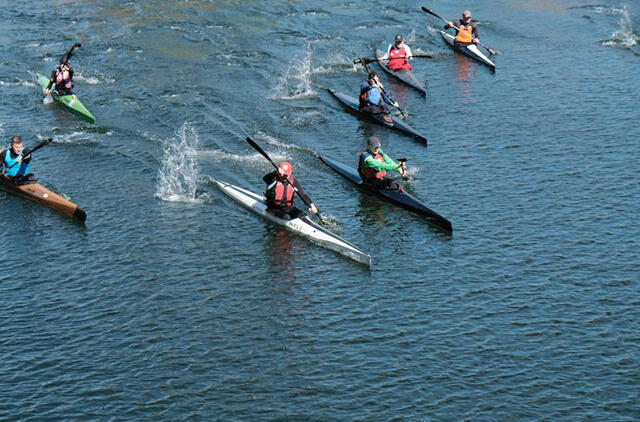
(476,41)
(47,91)
(395,104)
(26,152)
(313,209)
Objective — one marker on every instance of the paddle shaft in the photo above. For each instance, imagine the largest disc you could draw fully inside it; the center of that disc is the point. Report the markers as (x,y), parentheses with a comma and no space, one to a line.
(404,113)
(424,56)
(37,147)
(431,12)
(69,53)
(265,155)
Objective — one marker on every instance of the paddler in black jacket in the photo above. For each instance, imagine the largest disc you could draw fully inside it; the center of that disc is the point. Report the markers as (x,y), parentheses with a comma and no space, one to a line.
(280,192)
(467,29)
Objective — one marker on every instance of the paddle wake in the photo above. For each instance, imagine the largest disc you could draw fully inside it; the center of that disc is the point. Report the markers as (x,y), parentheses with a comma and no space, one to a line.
(178,176)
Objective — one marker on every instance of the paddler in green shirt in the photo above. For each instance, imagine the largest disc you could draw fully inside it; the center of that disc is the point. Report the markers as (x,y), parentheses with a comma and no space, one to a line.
(374,164)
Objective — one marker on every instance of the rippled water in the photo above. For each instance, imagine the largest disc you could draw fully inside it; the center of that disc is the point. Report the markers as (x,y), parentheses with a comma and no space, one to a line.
(172,302)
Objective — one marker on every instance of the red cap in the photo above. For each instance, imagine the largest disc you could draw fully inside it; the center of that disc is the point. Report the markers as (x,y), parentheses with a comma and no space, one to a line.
(286,168)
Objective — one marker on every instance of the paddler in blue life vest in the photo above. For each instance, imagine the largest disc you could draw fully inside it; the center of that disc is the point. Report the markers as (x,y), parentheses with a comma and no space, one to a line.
(467,29)
(374,164)
(16,161)
(372,95)
(398,55)
(61,77)
(280,191)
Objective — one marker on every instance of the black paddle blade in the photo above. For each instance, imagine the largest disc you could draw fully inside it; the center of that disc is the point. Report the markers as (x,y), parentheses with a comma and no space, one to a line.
(431,12)
(260,150)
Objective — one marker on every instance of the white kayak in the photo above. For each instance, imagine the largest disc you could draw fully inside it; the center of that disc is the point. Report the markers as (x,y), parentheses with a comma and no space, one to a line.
(470,50)
(303,226)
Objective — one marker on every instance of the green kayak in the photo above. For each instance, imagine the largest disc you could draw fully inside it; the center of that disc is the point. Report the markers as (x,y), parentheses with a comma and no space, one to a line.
(70,101)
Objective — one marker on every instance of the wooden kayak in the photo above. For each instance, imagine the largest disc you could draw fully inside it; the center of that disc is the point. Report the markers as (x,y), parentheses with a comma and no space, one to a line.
(69,101)
(387,120)
(403,75)
(399,197)
(44,196)
(469,50)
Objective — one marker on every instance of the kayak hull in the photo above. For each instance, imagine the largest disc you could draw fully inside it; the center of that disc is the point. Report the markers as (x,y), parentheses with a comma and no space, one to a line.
(470,50)
(70,102)
(44,196)
(302,226)
(403,75)
(399,197)
(392,122)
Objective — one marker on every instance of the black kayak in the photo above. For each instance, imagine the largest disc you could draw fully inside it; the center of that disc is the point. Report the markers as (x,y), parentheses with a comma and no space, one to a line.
(384,119)
(404,75)
(400,197)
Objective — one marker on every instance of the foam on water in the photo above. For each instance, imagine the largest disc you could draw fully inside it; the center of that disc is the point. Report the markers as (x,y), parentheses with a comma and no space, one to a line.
(178,176)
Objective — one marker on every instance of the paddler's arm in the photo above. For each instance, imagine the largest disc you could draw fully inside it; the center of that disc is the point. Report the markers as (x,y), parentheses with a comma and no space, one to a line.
(388,165)
(408,52)
(52,80)
(304,195)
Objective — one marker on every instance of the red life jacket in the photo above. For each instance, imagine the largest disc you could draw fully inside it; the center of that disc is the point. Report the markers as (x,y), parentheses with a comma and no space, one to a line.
(284,193)
(63,79)
(465,34)
(397,58)
(368,172)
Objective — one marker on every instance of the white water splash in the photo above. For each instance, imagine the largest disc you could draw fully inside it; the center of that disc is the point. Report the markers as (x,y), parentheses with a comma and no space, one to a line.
(178,176)
(623,35)
(296,81)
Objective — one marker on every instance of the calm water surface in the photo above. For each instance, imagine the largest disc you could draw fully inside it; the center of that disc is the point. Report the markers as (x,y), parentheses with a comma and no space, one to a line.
(172,306)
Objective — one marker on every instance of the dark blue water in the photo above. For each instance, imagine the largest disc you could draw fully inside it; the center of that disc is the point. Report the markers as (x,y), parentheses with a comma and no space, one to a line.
(174,303)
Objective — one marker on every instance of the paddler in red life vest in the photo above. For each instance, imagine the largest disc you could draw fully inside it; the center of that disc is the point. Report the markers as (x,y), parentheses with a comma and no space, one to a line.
(374,164)
(62,77)
(467,29)
(280,192)
(398,55)
(16,161)
(372,95)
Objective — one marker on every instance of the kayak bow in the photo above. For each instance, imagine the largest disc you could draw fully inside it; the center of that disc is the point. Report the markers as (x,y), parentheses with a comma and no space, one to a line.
(400,197)
(384,119)
(70,101)
(470,50)
(303,226)
(403,75)
(44,196)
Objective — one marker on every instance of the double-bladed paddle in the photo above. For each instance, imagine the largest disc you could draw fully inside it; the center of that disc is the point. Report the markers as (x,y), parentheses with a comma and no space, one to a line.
(424,56)
(364,63)
(34,149)
(286,179)
(431,12)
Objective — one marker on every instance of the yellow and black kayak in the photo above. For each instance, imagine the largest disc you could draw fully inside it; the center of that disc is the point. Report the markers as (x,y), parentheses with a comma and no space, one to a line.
(69,101)
(44,196)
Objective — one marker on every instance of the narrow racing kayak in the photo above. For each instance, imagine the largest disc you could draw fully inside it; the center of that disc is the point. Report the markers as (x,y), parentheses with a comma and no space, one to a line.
(70,101)
(470,50)
(44,196)
(303,226)
(399,197)
(387,120)
(403,75)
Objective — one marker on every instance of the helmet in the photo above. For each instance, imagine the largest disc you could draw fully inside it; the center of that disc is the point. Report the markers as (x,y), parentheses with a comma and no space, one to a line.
(286,168)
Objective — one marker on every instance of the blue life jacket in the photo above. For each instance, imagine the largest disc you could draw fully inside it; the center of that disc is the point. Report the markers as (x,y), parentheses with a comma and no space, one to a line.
(374,96)
(17,170)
